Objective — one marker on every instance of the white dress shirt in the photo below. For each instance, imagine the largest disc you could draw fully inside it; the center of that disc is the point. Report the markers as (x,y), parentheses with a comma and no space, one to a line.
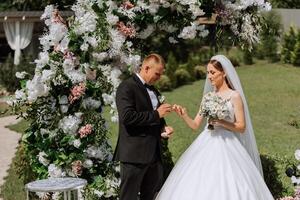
(152,95)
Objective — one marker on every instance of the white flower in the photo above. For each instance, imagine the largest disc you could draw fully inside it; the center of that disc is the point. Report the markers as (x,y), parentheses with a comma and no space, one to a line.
(167,27)
(116,43)
(153,8)
(42,158)
(43,59)
(112,19)
(21,75)
(63,99)
(204,33)
(84,46)
(47,12)
(64,108)
(196,11)
(20,95)
(86,23)
(172,40)
(90,103)
(64,44)
(127,12)
(76,76)
(88,163)
(267,7)
(57,32)
(297,154)
(36,88)
(130,60)
(55,171)
(98,193)
(189,32)
(146,32)
(47,75)
(100,56)
(77,143)
(92,41)
(70,124)
(96,152)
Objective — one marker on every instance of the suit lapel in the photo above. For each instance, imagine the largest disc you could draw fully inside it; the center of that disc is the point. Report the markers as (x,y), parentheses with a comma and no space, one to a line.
(143,89)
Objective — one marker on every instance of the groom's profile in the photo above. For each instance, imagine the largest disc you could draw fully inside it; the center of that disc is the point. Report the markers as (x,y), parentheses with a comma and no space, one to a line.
(141,123)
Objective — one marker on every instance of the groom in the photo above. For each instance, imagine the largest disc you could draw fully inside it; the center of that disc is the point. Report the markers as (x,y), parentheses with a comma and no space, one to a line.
(141,125)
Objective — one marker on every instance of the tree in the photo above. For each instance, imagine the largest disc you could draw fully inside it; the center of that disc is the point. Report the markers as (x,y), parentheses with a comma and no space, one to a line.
(295,55)
(289,41)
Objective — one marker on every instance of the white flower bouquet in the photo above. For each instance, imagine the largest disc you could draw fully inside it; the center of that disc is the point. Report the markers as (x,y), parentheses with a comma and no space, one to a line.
(214,107)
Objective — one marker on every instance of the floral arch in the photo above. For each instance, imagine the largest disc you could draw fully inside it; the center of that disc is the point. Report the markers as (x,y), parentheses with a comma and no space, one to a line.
(78,71)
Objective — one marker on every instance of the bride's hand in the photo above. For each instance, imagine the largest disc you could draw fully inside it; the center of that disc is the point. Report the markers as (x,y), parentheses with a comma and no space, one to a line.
(181,111)
(215,122)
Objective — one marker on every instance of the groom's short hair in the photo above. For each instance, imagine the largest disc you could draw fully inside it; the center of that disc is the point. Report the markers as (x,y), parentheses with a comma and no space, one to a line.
(156,57)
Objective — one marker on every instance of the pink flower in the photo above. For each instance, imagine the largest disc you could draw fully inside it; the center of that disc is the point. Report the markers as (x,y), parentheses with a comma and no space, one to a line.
(77,167)
(127,5)
(77,92)
(85,130)
(128,30)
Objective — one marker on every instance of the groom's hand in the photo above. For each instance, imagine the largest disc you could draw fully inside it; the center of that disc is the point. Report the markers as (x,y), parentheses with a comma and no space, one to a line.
(164,109)
(168,132)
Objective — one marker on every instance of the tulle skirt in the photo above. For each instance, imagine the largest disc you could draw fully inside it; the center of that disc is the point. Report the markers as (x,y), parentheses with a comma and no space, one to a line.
(215,167)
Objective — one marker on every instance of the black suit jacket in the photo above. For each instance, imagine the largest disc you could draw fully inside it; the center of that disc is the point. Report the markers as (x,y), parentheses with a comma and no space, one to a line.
(140,127)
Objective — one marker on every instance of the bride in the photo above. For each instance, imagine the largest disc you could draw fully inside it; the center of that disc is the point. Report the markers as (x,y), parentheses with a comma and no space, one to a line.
(223,163)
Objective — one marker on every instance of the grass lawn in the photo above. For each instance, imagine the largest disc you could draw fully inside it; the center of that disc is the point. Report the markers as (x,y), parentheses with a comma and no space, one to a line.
(273,95)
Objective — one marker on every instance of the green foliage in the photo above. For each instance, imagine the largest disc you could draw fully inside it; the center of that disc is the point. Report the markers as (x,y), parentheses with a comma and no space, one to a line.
(8,71)
(200,72)
(285,4)
(270,37)
(247,57)
(289,41)
(182,76)
(171,67)
(164,84)
(295,55)
(20,173)
(274,168)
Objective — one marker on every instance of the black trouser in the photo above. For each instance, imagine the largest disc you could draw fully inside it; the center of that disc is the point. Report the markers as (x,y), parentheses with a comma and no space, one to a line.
(145,179)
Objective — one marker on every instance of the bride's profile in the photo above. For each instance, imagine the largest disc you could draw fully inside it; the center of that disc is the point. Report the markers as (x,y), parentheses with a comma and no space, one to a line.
(223,162)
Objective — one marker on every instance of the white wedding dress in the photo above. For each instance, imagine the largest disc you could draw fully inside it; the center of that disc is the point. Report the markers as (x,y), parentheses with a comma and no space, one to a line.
(215,167)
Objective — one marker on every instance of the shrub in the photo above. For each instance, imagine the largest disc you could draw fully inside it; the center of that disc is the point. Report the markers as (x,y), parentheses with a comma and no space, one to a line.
(289,41)
(247,57)
(295,55)
(171,67)
(274,168)
(270,37)
(8,71)
(182,76)
(164,84)
(234,60)
(200,72)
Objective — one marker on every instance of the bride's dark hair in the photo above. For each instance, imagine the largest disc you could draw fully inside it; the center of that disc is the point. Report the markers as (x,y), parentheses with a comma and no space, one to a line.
(219,67)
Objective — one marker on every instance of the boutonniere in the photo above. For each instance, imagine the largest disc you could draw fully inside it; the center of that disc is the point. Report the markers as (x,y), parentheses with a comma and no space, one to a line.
(161,99)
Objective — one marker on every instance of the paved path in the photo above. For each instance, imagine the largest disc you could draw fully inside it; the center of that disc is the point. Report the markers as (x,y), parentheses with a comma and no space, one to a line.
(8,144)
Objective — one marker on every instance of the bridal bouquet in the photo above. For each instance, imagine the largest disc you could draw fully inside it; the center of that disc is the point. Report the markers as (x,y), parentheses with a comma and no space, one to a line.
(213,107)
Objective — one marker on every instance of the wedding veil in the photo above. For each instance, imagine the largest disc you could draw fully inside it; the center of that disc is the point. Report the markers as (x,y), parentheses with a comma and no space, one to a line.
(247,138)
